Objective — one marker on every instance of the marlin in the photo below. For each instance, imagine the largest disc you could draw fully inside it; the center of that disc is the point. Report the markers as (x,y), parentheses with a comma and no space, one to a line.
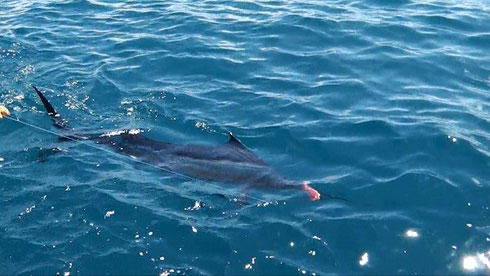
(230,162)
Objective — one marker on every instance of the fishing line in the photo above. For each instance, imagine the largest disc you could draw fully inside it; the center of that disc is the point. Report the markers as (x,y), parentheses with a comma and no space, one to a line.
(79,140)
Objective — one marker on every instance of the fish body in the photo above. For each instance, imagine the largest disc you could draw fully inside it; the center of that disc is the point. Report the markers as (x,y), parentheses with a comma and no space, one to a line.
(230,162)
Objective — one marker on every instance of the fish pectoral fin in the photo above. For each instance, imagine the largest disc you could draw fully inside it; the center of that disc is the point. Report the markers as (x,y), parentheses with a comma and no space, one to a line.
(43,153)
(221,196)
(243,199)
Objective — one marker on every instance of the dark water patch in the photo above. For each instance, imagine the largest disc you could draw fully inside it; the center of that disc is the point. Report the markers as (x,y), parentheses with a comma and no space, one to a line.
(446,22)
(80,6)
(391,4)
(397,32)
(365,128)
(105,92)
(481,39)
(418,190)
(147,43)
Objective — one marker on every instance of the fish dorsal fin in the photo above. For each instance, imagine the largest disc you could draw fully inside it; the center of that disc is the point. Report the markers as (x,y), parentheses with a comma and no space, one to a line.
(234,141)
(245,154)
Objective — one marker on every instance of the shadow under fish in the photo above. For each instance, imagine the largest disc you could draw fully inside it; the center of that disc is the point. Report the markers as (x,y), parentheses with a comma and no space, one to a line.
(231,162)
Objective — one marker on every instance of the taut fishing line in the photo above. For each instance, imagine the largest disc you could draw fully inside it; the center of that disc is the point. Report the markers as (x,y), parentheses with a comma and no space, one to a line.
(79,140)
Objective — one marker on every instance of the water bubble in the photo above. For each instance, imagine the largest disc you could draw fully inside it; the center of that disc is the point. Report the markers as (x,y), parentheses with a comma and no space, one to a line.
(469,263)
(411,233)
(108,214)
(364,259)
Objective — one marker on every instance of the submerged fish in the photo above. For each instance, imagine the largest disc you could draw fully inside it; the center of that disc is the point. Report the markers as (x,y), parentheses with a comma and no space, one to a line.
(231,162)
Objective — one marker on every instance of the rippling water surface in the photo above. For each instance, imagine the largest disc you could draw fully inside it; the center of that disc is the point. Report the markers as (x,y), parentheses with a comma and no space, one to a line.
(383,103)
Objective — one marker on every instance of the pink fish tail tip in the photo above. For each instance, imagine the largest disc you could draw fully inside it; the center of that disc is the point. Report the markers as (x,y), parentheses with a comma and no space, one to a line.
(313,194)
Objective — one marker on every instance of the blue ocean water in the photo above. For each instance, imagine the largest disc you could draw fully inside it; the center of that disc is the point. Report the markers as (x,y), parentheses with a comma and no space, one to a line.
(383,103)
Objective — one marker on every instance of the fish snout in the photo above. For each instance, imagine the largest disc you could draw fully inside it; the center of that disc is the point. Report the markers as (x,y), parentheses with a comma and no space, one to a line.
(313,194)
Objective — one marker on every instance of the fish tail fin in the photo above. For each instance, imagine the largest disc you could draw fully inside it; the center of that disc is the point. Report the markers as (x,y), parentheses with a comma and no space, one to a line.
(47,105)
(313,194)
(57,121)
